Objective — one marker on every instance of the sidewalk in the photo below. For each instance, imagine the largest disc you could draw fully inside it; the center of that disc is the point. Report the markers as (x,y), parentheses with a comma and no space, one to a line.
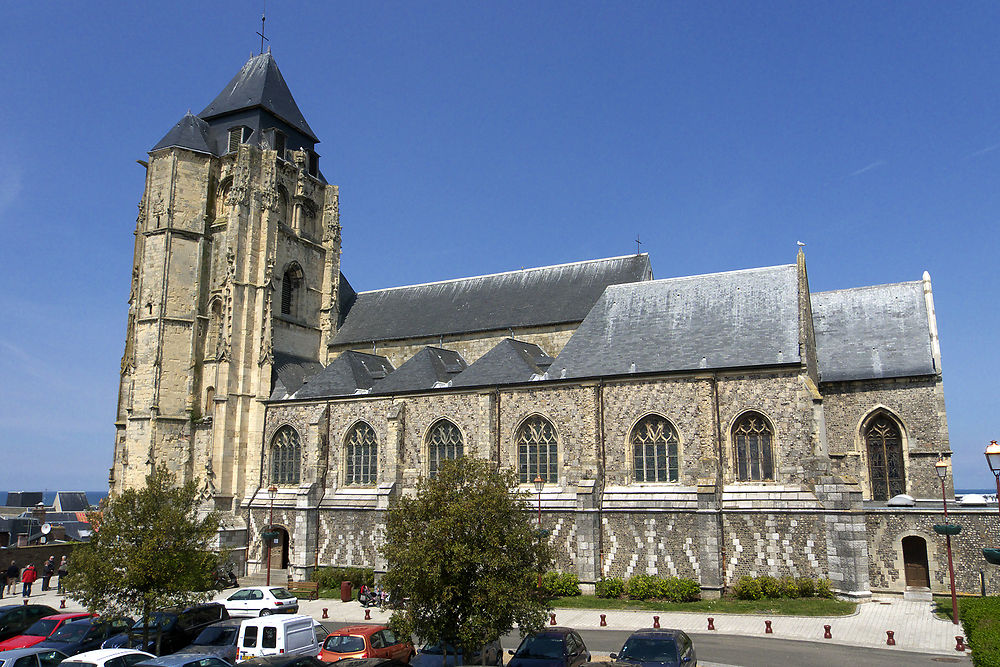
(914,625)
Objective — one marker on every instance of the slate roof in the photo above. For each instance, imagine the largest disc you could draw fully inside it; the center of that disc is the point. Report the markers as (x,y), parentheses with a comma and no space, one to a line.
(532,297)
(430,367)
(872,332)
(509,361)
(259,84)
(23,498)
(71,501)
(190,132)
(720,320)
(345,375)
(289,371)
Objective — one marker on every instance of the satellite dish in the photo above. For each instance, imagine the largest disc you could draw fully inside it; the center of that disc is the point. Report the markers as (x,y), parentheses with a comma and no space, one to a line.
(46,528)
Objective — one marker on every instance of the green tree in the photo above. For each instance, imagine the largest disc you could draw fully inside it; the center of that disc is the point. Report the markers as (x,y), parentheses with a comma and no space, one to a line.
(149,550)
(465,553)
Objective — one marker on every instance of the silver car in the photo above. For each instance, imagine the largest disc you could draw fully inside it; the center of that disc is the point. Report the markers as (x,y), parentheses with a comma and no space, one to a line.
(31,657)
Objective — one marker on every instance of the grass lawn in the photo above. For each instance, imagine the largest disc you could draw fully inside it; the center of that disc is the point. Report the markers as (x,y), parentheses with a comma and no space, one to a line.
(776,607)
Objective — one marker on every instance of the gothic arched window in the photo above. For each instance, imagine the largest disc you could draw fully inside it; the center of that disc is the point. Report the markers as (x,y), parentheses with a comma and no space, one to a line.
(654,450)
(752,440)
(286,456)
(884,445)
(537,451)
(444,441)
(291,289)
(361,455)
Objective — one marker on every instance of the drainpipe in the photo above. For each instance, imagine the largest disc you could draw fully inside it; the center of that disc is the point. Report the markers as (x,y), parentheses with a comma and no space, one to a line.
(719,480)
(601,458)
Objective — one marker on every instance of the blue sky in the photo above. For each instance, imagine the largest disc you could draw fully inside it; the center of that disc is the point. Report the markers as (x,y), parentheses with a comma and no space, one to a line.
(475,137)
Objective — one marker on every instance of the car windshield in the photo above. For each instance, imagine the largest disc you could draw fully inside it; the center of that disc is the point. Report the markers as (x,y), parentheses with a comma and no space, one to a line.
(70,632)
(217,636)
(77,663)
(158,619)
(541,646)
(281,593)
(649,649)
(42,628)
(438,649)
(344,643)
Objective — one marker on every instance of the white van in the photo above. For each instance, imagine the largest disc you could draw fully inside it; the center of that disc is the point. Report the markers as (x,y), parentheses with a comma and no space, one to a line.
(273,635)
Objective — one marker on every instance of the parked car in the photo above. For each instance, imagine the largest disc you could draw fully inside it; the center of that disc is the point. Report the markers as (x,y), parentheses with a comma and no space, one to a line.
(261,601)
(290,635)
(365,641)
(108,657)
(218,639)
(31,657)
(432,655)
(369,662)
(177,626)
(16,618)
(658,647)
(184,660)
(285,661)
(85,634)
(40,630)
(552,647)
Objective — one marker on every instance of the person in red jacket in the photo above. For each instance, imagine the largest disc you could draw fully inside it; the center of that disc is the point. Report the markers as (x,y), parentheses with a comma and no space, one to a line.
(27,578)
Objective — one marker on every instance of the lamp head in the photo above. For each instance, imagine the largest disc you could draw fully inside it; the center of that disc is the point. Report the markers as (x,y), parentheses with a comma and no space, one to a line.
(941,468)
(539,483)
(993,456)
(272,491)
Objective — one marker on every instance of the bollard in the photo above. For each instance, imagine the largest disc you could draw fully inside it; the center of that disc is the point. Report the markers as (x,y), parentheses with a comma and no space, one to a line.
(826,632)
(552,619)
(604,621)
(368,614)
(62,603)
(890,640)
(711,623)
(25,602)
(656,621)
(325,614)
(767,628)
(960,643)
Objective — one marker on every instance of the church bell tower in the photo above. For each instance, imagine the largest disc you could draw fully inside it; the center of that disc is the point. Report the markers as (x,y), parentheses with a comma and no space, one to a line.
(236,265)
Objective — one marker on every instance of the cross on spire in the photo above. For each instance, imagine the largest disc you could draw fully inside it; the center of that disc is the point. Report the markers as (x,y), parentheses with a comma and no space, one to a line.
(263,18)
(637,244)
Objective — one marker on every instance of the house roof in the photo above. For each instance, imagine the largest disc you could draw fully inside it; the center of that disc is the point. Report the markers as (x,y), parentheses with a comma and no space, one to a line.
(430,367)
(289,371)
(190,132)
(259,84)
(872,332)
(345,375)
(509,361)
(532,297)
(719,320)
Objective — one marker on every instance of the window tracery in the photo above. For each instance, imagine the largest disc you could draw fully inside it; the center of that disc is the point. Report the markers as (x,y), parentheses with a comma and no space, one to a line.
(286,456)
(654,450)
(752,439)
(884,444)
(537,451)
(361,456)
(444,441)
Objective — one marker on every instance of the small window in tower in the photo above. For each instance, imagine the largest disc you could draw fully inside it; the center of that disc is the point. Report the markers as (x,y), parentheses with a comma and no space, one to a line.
(237,135)
(313,164)
(291,284)
(279,144)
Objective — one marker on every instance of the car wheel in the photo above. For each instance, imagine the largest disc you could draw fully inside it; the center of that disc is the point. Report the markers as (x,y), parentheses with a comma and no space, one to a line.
(265,612)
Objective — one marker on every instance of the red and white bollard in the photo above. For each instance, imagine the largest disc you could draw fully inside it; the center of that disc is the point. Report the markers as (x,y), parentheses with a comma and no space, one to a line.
(552,619)
(325,614)
(889,639)
(656,621)
(368,615)
(960,643)
(62,603)
(711,623)
(604,621)
(826,632)
(767,628)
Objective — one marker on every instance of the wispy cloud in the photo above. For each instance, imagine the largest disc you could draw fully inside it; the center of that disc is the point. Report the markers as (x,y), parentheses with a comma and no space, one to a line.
(874,165)
(982,151)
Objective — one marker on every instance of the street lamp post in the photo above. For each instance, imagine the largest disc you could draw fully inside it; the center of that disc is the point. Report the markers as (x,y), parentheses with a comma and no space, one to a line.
(993,459)
(941,467)
(539,483)
(271,492)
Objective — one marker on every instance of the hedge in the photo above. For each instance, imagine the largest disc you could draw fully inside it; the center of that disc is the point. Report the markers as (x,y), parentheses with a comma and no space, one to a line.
(981,621)
(646,587)
(758,588)
(560,584)
(331,577)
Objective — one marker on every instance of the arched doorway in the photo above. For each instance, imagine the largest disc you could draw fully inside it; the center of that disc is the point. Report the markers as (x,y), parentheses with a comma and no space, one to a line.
(279,549)
(915,562)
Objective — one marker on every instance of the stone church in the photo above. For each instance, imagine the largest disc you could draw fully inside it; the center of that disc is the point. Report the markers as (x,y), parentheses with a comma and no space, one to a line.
(708,426)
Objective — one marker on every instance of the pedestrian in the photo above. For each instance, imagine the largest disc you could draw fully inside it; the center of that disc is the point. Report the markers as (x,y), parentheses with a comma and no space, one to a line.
(63,571)
(13,574)
(28,577)
(48,571)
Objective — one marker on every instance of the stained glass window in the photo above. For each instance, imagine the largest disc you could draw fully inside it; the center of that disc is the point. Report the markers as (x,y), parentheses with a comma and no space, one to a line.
(537,451)
(752,438)
(443,442)
(885,458)
(286,456)
(654,450)
(361,455)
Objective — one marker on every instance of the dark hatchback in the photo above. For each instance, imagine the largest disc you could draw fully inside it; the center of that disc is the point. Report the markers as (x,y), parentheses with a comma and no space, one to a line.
(218,639)
(658,647)
(552,647)
(85,634)
(176,626)
(432,655)
(16,618)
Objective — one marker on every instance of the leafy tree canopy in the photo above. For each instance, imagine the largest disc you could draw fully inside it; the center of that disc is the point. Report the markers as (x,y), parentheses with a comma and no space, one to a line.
(466,553)
(149,550)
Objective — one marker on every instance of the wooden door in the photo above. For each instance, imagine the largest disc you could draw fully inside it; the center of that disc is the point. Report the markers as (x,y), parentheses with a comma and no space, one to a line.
(915,561)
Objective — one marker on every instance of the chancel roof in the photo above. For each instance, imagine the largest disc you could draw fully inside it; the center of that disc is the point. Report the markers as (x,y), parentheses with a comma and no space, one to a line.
(872,332)
(718,320)
(350,373)
(532,297)
(289,371)
(510,361)
(429,368)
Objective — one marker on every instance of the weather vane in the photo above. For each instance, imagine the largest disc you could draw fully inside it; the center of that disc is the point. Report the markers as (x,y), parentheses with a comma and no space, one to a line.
(263,17)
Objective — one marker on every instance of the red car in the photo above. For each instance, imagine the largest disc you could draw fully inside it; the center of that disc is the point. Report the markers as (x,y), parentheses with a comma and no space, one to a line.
(365,641)
(40,630)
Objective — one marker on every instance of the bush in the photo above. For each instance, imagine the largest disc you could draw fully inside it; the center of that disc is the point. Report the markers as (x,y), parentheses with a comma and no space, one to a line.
(610,588)
(747,588)
(560,584)
(807,587)
(331,577)
(981,621)
(641,587)
(823,588)
(769,586)
(789,587)
(676,589)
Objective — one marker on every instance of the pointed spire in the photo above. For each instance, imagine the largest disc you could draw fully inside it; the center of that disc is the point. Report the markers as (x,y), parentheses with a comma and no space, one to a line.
(190,132)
